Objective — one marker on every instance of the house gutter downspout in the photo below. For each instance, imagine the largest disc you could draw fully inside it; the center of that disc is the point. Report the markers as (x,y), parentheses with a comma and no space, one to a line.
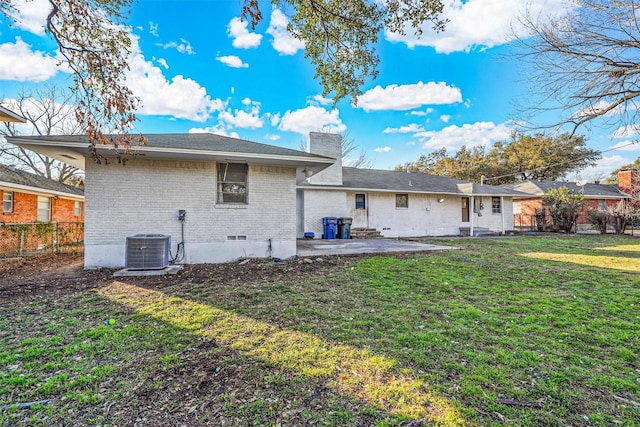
(472,215)
(502,213)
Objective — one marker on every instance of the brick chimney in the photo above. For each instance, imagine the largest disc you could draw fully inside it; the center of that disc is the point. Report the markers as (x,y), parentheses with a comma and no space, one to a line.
(329,145)
(629,181)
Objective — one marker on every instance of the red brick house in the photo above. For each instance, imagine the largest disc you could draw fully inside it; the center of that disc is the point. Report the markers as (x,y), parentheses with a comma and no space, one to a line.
(27,197)
(596,196)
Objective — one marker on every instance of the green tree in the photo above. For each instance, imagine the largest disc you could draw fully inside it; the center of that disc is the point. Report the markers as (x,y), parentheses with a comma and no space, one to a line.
(340,38)
(544,157)
(565,206)
(525,157)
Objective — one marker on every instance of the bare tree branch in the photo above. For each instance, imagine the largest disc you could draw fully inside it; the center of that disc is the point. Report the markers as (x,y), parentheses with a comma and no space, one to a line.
(584,66)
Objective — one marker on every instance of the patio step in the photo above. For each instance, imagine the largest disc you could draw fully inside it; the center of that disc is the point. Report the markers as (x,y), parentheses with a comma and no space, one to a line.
(364,233)
(477,231)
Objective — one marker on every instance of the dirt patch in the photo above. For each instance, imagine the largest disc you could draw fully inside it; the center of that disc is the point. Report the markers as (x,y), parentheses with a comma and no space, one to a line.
(56,275)
(209,384)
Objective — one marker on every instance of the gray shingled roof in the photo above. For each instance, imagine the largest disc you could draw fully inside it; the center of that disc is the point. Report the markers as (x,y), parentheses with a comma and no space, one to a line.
(388,180)
(184,141)
(10,175)
(590,190)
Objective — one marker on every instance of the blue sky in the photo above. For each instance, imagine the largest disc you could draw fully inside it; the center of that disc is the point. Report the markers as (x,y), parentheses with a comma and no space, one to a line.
(198,68)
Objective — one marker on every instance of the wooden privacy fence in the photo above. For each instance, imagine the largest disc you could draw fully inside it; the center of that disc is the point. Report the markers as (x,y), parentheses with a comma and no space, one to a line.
(37,238)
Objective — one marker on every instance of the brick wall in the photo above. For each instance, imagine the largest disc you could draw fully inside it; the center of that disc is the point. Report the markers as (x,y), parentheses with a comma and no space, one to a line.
(25,209)
(629,181)
(528,209)
(144,196)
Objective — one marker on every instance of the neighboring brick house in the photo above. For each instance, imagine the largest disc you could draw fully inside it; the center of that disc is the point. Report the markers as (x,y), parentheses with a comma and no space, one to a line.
(629,184)
(596,196)
(239,197)
(27,197)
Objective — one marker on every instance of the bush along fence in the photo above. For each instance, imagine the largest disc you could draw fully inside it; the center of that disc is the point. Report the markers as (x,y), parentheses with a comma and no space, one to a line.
(586,221)
(37,238)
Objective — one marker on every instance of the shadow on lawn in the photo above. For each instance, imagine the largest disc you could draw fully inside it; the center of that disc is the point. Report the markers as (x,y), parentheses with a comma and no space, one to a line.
(349,371)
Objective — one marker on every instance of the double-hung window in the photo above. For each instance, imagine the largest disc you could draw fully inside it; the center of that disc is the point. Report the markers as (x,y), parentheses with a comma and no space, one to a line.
(402,200)
(77,208)
(496,206)
(44,208)
(232,183)
(7,201)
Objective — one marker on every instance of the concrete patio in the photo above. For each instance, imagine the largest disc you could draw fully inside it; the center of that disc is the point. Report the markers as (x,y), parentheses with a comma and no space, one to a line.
(318,247)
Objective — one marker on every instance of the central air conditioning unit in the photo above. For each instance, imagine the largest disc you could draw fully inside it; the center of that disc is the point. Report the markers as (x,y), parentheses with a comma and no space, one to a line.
(148,252)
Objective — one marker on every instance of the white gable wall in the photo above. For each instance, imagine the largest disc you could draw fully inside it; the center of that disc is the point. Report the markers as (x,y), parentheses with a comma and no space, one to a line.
(144,196)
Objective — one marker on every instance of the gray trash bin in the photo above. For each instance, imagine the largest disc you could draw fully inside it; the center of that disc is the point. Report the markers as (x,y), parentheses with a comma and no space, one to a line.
(344,228)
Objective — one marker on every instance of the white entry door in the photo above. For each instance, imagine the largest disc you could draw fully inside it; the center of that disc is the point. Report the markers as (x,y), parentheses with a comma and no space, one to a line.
(360,213)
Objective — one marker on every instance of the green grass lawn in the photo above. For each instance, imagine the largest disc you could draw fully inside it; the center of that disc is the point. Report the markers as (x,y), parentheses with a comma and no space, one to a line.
(524,331)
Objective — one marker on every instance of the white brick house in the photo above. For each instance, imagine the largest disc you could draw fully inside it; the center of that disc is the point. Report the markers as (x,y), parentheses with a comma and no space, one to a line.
(244,199)
(398,204)
(239,196)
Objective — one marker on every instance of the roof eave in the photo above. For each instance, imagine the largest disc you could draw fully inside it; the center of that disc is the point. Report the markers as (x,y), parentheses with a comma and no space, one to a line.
(76,154)
(39,191)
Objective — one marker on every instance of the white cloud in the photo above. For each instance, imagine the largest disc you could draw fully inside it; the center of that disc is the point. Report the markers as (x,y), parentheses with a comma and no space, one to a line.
(603,168)
(242,119)
(182,47)
(311,119)
(422,113)
(627,131)
(453,137)
(19,62)
(179,97)
(406,97)
(232,61)
(445,118)
(271,137)
(217,130)
(472,23)
(163,63)
(283,42)
(412,128)
(385,149)
(319,100)
(242,38)
(153,29)
(274,119)
(32,15)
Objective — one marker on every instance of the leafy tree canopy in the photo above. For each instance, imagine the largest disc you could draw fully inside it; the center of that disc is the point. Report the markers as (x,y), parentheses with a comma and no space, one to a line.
(340,38)
(525,157)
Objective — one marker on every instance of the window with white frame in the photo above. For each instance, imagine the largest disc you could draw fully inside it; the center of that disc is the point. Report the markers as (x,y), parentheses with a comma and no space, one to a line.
(602,205)
(496,206)
(44,208)
(402,200)
(77,208)
(232,182)
(7,201)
